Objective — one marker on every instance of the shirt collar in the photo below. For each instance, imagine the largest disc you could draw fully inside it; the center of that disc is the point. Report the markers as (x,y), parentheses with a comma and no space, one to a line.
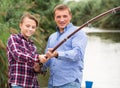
(22,37)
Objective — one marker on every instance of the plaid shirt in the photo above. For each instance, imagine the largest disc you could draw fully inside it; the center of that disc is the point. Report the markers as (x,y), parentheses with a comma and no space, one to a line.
(21,57)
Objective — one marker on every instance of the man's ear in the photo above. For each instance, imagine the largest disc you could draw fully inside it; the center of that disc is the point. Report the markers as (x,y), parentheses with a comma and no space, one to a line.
(70,16)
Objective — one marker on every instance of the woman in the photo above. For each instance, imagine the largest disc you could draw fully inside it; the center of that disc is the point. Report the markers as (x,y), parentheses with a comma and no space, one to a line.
(22,55)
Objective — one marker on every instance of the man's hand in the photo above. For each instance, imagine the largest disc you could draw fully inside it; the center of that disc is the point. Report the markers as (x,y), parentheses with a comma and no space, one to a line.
(51,54)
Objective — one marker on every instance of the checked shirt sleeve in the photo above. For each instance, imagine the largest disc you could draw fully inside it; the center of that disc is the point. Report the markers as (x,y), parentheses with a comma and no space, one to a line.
(19,53)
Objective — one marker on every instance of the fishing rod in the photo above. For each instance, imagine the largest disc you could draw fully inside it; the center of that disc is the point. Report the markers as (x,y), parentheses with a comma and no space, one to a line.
(114,10)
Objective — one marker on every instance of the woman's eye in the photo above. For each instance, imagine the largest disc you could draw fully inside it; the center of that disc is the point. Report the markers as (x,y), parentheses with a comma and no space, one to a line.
(34,27)
(27,25)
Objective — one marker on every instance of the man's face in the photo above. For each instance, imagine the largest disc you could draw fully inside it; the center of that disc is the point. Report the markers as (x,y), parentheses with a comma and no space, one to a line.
(62,18)
(28,27)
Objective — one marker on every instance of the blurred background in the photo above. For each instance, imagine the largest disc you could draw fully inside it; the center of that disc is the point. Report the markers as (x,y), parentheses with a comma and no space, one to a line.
(102,55)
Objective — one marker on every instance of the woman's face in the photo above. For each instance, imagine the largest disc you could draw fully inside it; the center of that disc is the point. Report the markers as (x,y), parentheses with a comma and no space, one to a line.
(28,27)
(62,18)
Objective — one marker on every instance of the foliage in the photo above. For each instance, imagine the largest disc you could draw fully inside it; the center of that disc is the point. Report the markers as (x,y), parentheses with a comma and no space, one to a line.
(87,9)
(45,10)
(3,66)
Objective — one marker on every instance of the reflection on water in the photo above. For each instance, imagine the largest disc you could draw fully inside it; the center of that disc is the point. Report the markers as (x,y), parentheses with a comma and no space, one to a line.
(102,60)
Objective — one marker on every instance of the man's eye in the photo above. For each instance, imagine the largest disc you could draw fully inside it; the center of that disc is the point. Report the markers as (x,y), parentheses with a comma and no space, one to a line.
(58,16)
(65,16)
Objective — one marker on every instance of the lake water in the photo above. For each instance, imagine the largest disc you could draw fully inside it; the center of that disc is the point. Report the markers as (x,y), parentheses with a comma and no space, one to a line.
(102,59)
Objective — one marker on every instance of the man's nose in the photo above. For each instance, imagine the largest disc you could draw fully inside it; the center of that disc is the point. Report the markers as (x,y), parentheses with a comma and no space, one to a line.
(61,20)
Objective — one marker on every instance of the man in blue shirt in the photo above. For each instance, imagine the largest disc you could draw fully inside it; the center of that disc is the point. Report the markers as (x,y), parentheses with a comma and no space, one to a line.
(66,63)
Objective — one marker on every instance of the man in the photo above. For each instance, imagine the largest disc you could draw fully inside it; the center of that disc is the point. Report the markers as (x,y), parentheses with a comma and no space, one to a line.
(66,63)
(22,56)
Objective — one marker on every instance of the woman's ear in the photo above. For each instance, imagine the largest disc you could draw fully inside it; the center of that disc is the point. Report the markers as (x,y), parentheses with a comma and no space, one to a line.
(20,24)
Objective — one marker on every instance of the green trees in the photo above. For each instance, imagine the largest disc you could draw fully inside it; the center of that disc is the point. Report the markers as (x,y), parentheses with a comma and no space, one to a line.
(3,66)
(87,9)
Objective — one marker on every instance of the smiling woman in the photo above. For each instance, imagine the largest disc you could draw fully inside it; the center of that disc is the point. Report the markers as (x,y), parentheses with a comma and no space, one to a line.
(28,27)
(23,58)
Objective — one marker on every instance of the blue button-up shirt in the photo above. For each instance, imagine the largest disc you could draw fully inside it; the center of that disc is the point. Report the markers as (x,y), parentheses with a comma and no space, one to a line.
(68,67)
